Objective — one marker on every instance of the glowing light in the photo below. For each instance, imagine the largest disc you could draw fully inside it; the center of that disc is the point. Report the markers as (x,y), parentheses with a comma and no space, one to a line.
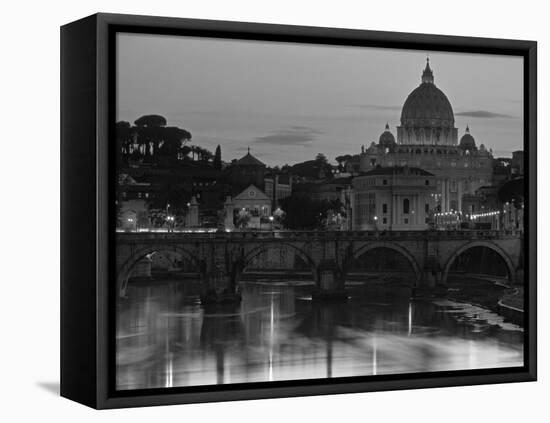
(374,356)
(410,317)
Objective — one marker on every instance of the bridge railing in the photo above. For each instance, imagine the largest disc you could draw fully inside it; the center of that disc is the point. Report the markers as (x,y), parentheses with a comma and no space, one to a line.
(319,235)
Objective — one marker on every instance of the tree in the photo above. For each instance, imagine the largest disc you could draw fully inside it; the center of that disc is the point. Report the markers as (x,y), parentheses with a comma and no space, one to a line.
(313,169)
(242,219)
(301,212)
(173,139)
(184,151)
(321,158)
(123,140)
(151,140)
(218,158)
(203,154)
(341,161)
(150,121)
(512,191)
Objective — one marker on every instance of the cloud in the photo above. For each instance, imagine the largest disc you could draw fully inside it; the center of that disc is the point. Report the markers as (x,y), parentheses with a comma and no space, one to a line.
(482,114)
(295,135)
(378,107)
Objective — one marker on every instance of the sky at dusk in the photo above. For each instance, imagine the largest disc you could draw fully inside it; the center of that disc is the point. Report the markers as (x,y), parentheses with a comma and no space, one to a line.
(289,101)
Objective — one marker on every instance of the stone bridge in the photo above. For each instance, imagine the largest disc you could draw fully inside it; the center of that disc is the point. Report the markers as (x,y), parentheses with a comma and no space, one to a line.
(224,256)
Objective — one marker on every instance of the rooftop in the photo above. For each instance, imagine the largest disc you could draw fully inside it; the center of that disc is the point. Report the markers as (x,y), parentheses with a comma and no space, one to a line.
(249,160)
(397,170)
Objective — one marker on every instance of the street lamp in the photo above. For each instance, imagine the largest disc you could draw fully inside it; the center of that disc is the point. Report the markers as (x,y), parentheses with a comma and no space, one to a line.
(133,222)
(170,220)
(271,221)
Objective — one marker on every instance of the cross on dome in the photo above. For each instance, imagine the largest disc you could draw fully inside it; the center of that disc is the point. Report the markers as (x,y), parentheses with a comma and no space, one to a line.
(427,75)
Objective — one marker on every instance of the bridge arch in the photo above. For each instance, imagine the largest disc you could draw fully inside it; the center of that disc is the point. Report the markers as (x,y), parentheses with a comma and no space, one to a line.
(261,249)
(487,244)
(124,271)
(389,245)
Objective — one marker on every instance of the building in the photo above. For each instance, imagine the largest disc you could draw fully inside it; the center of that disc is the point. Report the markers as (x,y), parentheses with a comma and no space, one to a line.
(428,139)
(249,209)
(278,187)
(334,189)
(247,170)
(132,203)
(517,163)
(393,198)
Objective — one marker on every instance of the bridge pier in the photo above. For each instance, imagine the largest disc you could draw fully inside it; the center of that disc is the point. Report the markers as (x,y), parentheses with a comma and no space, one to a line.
(330,282)
(432,274)
(219,286)
(430,279)
(519,277)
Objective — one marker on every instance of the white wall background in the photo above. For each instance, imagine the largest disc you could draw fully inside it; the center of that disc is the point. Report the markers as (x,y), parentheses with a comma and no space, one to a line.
(29,166)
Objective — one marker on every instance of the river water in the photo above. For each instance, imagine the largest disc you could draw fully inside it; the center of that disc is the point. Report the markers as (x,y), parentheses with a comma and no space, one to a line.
(166,339)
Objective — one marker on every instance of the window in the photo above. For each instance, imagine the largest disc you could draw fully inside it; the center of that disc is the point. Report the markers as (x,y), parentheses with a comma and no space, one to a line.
(384,208)
(384,182)
(385,220)
(406,206)
(427,182)
(454,186)
(406,221)
(426,208)
(366,207)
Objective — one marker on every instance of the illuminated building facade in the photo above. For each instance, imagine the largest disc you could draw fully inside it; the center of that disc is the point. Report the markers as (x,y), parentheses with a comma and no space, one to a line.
(428,139)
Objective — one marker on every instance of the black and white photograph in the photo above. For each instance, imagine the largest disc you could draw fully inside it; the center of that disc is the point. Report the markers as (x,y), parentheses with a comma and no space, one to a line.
(291,211)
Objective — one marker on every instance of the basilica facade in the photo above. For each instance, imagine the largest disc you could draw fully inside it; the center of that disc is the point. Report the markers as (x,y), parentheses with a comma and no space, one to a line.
(427,139)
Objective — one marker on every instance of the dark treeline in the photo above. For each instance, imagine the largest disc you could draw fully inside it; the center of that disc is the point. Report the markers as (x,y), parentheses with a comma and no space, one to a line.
(150,140)
(305,213)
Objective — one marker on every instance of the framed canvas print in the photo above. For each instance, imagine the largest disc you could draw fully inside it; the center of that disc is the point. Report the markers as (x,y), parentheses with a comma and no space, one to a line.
(255,211)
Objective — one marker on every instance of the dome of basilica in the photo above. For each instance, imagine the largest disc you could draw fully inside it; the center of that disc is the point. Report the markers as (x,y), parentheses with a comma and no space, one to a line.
(387,139)
(427,105)
(467,142)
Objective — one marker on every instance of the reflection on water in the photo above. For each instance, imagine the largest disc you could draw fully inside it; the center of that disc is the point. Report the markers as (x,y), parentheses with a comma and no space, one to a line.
(165,339)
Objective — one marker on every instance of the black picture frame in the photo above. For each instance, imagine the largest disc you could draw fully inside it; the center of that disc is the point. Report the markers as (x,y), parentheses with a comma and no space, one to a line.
(87,114)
